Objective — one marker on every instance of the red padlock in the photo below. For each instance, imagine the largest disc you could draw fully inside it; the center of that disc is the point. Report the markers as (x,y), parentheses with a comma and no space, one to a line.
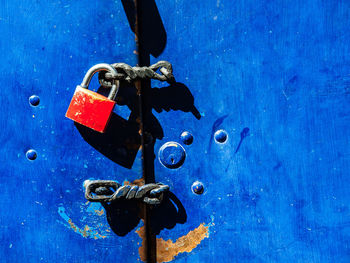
(90,108)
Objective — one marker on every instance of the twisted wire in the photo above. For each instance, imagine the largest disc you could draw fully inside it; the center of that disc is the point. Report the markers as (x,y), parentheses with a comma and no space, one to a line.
(130,74)
(110,191)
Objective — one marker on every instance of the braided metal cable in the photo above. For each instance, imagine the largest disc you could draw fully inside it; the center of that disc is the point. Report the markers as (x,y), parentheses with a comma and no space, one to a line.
(130,74)
(110,191)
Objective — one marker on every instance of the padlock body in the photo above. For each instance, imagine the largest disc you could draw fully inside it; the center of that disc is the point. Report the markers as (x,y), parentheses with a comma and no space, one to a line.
(90,109)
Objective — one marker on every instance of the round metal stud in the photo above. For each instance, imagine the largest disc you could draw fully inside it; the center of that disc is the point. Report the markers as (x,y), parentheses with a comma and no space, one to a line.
(31,154)
(34,100)
(197,188)
(186,138)
(220,136)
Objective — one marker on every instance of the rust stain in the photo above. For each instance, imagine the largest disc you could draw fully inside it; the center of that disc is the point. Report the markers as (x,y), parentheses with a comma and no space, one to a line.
(138,182)
(86,232)
(167,249)
(138,87)
(99,212)
(72,225)
(138,120)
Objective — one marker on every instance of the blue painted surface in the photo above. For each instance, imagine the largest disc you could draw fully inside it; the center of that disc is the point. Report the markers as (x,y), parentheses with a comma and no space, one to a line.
(273,74)
(46,47)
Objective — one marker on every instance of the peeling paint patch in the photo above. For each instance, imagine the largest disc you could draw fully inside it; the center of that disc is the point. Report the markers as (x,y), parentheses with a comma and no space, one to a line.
(87,231)
(95,208)
(167,250)
(100,212)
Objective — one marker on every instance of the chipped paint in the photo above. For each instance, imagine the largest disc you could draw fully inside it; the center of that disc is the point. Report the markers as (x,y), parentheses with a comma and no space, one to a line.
(86,232)
(167,250)
(99,212)
(95,208)
(99,231)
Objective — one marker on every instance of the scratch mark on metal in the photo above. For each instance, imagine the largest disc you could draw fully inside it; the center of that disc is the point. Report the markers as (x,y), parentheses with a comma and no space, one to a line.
(244,134)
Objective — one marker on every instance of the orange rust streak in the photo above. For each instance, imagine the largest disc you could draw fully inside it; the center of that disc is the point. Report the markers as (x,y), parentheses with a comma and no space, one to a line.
(142,250)
(86,232)
(138,182)
(99,212)
(167,249)
(72,225)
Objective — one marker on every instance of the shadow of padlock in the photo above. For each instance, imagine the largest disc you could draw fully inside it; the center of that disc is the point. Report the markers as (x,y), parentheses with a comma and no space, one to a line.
(119,143)
(90,108)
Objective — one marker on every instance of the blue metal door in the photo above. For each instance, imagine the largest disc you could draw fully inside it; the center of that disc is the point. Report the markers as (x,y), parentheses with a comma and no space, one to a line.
(252,137)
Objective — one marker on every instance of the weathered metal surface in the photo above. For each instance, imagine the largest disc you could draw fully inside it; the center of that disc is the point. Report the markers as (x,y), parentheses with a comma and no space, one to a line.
(46,48)
(274,77)
(262,89)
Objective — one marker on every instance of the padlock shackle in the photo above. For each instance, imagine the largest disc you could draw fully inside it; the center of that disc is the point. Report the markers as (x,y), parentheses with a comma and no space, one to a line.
(98,67)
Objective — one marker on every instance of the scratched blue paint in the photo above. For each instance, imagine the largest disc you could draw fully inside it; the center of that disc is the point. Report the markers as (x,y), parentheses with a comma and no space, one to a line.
(275,76)
(93,207)
(87,227)
(46,48)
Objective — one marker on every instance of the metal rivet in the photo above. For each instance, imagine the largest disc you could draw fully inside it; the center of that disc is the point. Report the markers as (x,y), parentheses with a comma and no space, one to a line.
(31,154)
(197,188)
(220,136)
(172,155)
(34,100)
(186,138)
